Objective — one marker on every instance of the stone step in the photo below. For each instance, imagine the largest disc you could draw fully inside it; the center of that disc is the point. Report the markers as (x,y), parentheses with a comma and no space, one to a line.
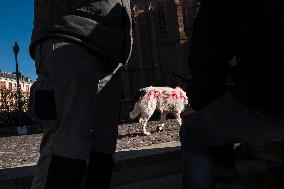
(159,166)
(131,165)
(166,182)
(246,175)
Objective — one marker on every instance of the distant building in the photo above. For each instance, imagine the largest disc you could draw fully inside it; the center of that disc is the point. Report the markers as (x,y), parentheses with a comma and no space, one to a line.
(8,91)
(9,81)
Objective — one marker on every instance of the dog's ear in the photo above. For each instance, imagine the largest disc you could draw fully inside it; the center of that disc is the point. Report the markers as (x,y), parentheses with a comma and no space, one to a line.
(140,93)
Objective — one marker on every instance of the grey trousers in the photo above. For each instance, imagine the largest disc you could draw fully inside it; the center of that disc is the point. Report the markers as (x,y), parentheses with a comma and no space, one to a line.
(85,90)
(224,121)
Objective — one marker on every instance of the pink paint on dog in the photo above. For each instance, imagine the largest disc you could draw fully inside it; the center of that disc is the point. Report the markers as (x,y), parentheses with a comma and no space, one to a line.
(174,94)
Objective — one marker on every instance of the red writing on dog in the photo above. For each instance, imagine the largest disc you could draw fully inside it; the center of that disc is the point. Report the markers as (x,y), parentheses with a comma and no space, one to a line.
(165,94)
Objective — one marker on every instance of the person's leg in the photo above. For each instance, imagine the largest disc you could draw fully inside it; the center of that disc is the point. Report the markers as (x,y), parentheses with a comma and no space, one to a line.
(65,173)
(224,121)
(196,159)
(197,171)
(99,171)
(70,73)
(104,133)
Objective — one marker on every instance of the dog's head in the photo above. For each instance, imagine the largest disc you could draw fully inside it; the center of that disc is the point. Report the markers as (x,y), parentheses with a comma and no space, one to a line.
(139,94)
(131,115)
(136,111)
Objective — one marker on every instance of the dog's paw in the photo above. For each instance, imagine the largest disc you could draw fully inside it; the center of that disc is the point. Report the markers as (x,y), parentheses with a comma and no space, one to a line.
(160,128)
(147,133)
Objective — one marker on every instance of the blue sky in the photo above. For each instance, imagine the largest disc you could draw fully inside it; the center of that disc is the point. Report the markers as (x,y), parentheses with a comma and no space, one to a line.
(16,19)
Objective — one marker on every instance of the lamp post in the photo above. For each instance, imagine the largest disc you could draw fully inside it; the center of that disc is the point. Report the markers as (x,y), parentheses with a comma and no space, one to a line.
(16,50)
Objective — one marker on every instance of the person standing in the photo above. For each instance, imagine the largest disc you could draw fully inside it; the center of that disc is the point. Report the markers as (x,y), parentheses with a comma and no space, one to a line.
(253,108)
(78,47)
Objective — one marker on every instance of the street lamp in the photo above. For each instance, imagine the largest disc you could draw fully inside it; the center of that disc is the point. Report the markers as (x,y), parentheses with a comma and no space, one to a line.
(16,50)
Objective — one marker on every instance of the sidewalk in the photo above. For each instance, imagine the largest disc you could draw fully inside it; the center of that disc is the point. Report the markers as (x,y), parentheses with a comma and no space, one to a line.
(131,166)
(159,167)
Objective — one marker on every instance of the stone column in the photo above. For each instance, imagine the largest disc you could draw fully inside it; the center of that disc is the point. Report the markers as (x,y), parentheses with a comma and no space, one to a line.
(179,7)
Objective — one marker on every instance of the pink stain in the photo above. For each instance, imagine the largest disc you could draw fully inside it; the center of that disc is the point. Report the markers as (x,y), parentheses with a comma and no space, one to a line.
(157,94)
(181,95)
(150,94)
(165,94)
(174,95)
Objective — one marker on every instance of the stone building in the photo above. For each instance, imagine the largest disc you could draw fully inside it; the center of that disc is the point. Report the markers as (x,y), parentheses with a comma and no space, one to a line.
(161,32)
(8,81)
(8,88)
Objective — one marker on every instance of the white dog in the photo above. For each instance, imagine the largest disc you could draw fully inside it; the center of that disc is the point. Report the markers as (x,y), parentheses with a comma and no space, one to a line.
(164,99)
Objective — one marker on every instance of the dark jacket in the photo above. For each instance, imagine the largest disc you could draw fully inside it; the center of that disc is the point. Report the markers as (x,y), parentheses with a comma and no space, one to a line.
(252,31)
(101,25)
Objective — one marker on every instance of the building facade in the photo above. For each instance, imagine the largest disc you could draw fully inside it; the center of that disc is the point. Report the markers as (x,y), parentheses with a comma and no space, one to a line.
(8,91)
(9,81)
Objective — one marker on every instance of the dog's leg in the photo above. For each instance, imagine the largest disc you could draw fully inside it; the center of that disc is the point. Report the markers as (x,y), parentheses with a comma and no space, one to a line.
(146,112)
(162,121)
(145,116)
(143,120)
(177,116)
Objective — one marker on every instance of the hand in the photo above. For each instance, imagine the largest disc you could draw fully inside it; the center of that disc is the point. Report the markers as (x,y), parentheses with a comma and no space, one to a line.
(187,112)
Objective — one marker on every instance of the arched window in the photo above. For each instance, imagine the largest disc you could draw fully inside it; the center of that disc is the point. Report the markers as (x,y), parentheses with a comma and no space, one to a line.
(10,85)
(162,18)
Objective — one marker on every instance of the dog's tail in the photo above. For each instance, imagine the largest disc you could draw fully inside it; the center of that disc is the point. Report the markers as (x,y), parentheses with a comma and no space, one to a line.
(183,95)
